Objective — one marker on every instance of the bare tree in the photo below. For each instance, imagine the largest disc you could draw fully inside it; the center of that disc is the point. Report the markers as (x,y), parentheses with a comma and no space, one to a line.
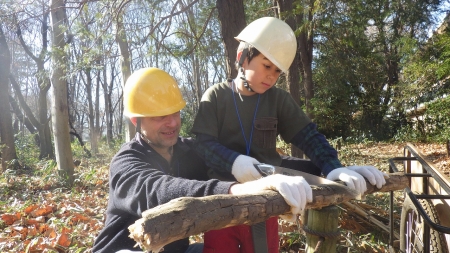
(302,63)
(198,31)
(91,114)
(86,58)
(60,113)
(125,61)
(8,150)
(232,19)
(107,93)
(300,71)
(305,47)
(24,120)
(45,142)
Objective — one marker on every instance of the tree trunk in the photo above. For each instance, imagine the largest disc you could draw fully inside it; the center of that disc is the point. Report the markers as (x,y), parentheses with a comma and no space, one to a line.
(305,46)
(60,113)
(91,116)
(108,109)
(175,220)
(293,75)
(42,125)
(232,20)
(97,133)
(303,61)
(45,141)
(121,40)
(7,148)
(19,115)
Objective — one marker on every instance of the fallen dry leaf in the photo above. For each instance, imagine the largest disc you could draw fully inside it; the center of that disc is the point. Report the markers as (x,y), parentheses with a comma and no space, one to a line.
(42,211)
(9,219)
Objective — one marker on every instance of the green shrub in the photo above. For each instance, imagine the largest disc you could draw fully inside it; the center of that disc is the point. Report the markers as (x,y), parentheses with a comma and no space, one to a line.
(26,149)
(433,126)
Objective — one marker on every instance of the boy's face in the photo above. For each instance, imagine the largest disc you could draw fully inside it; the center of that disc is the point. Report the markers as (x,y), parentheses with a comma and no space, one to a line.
(261,73)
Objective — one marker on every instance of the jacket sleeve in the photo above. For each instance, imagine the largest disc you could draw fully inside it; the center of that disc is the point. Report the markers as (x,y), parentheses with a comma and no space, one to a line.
(216,156)
(137,184)
(317,148)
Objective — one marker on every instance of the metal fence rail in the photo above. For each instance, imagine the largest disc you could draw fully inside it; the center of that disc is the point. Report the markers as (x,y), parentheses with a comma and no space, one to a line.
(427,174)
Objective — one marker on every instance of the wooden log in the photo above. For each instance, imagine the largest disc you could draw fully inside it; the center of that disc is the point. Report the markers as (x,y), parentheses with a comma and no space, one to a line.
(322,230)
(183,217)
(321,226)
(396,181)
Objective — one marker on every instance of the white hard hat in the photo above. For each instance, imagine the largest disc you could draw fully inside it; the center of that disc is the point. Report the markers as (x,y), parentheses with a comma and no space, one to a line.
(273,38)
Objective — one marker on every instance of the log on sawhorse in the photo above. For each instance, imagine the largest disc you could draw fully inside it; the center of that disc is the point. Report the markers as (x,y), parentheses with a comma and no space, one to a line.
(183,217)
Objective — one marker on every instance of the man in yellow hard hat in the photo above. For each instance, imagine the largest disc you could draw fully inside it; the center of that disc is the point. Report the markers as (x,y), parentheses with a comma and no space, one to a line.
(239,120)
(158,165)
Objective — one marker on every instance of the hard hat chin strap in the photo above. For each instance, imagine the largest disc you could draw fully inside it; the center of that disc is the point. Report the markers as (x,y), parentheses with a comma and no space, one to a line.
(246,85)
(138,124)
(241,61)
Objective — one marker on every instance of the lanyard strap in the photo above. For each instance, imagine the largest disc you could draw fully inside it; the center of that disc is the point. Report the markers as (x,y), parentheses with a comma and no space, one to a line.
(249,142)
(259,229)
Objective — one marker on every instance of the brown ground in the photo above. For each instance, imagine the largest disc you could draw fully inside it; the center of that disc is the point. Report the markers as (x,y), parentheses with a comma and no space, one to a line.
(42,216)
(378,153)
(359,235)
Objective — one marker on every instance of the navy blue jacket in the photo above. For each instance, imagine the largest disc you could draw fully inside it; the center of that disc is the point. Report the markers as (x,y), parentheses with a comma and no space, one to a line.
(141,179)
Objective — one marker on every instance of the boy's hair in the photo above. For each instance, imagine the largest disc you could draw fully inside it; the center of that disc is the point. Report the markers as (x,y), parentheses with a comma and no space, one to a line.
(252,52)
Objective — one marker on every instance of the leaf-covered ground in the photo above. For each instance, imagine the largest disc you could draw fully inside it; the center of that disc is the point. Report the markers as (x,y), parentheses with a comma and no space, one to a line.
(37,214)
(357,234)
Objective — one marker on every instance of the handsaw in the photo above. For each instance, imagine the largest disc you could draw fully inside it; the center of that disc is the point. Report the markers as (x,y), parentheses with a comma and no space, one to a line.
(267,169)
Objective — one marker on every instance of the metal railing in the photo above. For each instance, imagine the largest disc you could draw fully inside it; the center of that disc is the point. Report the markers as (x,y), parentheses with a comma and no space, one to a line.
(427,173)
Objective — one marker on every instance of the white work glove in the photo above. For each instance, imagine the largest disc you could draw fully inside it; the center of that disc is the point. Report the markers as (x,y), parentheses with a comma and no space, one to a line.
(244,170)
(353,177)
(294,189)
(372,174)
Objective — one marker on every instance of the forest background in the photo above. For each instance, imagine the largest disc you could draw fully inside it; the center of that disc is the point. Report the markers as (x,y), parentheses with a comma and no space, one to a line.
(365,72)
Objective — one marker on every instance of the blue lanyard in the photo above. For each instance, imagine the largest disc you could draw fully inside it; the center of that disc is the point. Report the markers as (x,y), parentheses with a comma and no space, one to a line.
(249,142)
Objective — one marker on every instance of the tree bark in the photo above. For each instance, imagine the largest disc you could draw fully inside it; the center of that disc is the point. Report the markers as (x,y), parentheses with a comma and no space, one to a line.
(305,45)
(125,63)
(45,140)
(107,91)
(188,216)
(42,125)
(97,133)
(7,147)
(60,113)
(20,115)
(232,20)
(293,75)
(91,114)
(23,104)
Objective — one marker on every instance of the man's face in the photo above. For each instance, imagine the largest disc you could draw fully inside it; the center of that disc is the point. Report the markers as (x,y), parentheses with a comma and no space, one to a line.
(261,73)
(162,131)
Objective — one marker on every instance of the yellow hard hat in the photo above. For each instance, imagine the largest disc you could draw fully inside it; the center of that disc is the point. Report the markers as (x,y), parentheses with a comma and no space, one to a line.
(151,92)
(273,38)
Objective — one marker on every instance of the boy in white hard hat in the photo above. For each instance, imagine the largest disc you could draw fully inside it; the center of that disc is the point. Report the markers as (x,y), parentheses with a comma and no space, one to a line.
(238,122)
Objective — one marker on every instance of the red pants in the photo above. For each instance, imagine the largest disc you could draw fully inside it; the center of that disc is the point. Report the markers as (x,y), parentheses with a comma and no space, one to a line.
(238,239)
